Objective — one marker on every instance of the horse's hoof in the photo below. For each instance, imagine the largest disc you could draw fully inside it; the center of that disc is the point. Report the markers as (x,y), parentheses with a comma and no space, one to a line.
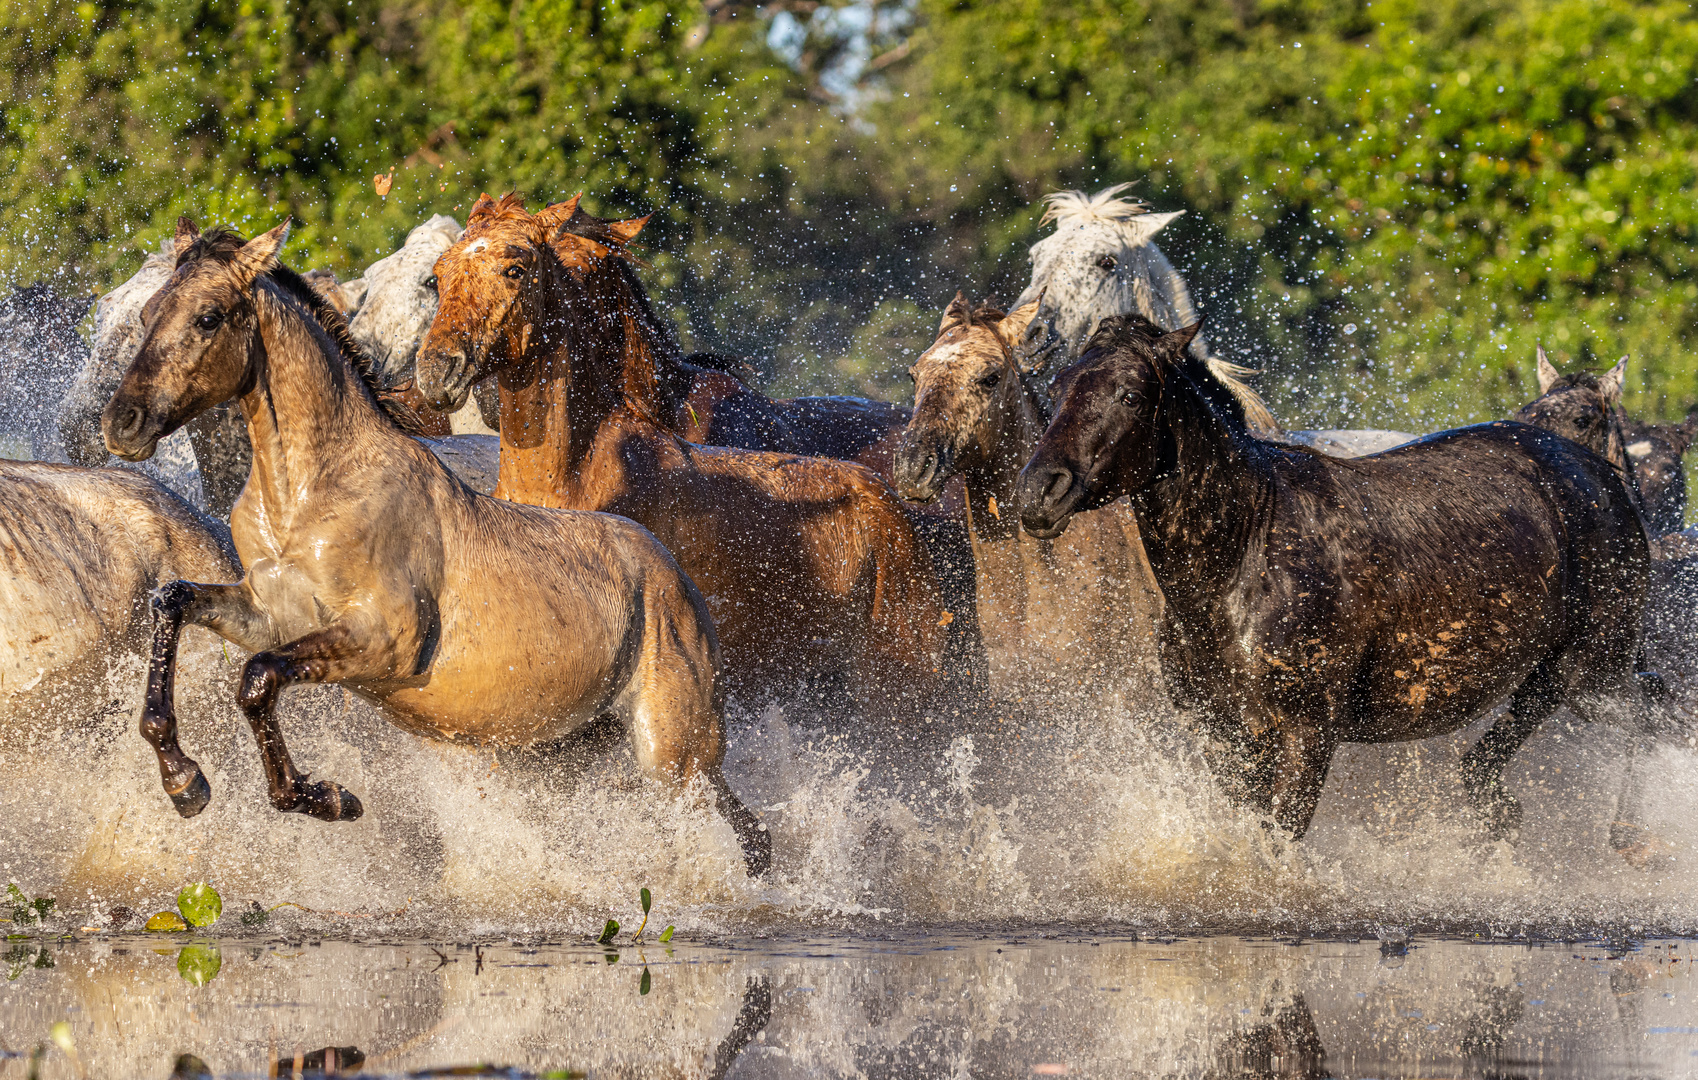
(329,801)
(192,792)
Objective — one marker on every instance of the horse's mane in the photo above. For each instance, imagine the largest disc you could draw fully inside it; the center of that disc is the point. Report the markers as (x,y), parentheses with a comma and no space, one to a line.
(1078,208)
(221,245)
(1231,401)
(985,313)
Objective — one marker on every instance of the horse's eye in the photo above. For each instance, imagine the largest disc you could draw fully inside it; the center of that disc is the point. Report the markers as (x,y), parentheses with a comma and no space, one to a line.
(991,380)
(1129,399)
(515,272)
(430,283)
(1106,263)
(211,321)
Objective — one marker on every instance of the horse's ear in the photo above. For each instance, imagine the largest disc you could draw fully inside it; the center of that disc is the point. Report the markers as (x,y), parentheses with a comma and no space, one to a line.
(553,218)
(1548,375)
(1172,345)
(187,234)
(956,312)
(484,207)
(1014,324)
(259,255)
(1612,382)
(626,231)
(1150,224)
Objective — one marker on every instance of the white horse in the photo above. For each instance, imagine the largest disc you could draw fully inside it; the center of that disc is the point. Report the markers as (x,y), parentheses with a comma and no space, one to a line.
(1102,260)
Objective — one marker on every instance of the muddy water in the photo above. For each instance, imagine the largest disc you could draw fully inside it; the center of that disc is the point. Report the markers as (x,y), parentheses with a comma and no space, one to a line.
(855,1006)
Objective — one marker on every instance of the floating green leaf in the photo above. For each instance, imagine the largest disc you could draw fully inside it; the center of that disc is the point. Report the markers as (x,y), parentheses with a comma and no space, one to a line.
(666,935)
(26,911)
(200,904)
(166,921)
(199,964)
(643,984)
(647,899)
(608,932)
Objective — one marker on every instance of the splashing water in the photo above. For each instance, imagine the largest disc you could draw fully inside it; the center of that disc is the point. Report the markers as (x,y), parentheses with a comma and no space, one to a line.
(1105,820)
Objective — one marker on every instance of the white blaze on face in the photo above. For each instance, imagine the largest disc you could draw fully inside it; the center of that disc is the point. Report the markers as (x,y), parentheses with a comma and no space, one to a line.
(1640,449)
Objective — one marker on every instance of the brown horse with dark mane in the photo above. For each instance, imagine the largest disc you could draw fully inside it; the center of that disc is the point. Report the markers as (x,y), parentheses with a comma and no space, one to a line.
(370,565)
(810,567)
(1313,601)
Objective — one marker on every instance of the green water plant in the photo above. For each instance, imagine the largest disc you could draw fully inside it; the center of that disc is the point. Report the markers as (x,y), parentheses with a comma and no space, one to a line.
(198,905)
(25,911)
(199,964)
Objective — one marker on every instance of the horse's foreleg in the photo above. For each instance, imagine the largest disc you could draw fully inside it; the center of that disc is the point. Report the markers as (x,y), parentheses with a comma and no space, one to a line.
(173,604)
(325,655)
(1482,766)
(1302,755)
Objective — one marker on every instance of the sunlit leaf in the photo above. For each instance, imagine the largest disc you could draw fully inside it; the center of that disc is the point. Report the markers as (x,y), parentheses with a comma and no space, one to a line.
(382,182)
(647,899)
(199,964)
(608,932)
(60,1033)
(666,935)
(200,904)
(166,920)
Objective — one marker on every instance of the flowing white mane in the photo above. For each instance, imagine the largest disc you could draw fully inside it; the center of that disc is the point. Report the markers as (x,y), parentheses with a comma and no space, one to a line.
(1078,208)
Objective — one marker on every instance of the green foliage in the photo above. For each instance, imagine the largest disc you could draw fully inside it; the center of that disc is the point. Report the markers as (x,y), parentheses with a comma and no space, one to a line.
(1372,219)
(608,933)
(26,911)
(666,935)
(165,922)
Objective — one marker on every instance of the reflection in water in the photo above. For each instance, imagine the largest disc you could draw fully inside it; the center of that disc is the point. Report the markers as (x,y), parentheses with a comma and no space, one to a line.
(1209,1008)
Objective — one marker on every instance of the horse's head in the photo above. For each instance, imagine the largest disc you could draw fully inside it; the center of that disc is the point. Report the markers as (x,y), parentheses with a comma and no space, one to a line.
(197,349)
(1581,407)
(966,396)
(399,300)
(1101,261)
(1101,443)
(500,287)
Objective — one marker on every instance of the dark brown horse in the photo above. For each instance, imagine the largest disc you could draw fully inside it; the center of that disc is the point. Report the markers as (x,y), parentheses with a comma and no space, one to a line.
(1314,601)
(810,567)
(370,565)
(1587,408)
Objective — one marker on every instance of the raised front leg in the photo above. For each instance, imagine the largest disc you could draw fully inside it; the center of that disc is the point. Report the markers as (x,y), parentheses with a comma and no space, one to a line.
(321,656)
(173,604)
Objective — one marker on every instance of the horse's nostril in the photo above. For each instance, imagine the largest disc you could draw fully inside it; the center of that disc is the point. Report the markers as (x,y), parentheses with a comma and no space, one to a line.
(131,421)
(1059,482)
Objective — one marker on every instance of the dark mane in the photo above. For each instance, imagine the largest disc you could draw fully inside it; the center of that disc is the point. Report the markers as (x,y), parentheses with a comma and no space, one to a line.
(1137,334)
(221,245)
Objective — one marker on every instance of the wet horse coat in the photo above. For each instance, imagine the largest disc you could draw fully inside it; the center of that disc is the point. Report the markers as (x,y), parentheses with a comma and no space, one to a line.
(1313,601)
(368,564)
(810,566)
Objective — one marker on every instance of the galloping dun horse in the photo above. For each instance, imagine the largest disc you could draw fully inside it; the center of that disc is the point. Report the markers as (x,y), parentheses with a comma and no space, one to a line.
(1313,601)
(1073,617)
(810,567)
(369,564)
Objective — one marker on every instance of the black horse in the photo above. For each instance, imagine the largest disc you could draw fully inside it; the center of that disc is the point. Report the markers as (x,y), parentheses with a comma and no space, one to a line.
(1313,601)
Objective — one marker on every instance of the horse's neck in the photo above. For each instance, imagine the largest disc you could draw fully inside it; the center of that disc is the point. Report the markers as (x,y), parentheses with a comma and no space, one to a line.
(303,412)
(991,514)
(564,450)
(1200,519)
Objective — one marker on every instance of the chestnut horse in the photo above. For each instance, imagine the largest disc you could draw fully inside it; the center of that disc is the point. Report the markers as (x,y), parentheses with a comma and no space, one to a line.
(810,567)
(1073,617)
(370,565)
(1313,601)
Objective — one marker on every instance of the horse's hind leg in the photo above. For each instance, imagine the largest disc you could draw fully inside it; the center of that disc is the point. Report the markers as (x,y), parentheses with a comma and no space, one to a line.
(321,656)
(1482,766)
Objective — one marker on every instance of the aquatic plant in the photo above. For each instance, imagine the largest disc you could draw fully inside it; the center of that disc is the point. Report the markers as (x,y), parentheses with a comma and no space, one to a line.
(198,905)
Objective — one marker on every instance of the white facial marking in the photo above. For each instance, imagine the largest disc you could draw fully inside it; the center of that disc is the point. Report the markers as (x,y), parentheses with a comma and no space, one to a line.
(477,246)
(1642,448)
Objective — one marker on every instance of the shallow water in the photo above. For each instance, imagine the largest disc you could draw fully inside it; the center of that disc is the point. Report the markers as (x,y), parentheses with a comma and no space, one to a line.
(860,1006)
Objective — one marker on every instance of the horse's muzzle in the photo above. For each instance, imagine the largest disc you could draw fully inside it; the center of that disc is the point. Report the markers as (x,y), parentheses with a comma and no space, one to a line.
(1047,495)
(920,469)
(444,378)
(130,432)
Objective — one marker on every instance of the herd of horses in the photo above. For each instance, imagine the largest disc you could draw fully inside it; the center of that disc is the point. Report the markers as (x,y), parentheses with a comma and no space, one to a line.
(1083,508)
